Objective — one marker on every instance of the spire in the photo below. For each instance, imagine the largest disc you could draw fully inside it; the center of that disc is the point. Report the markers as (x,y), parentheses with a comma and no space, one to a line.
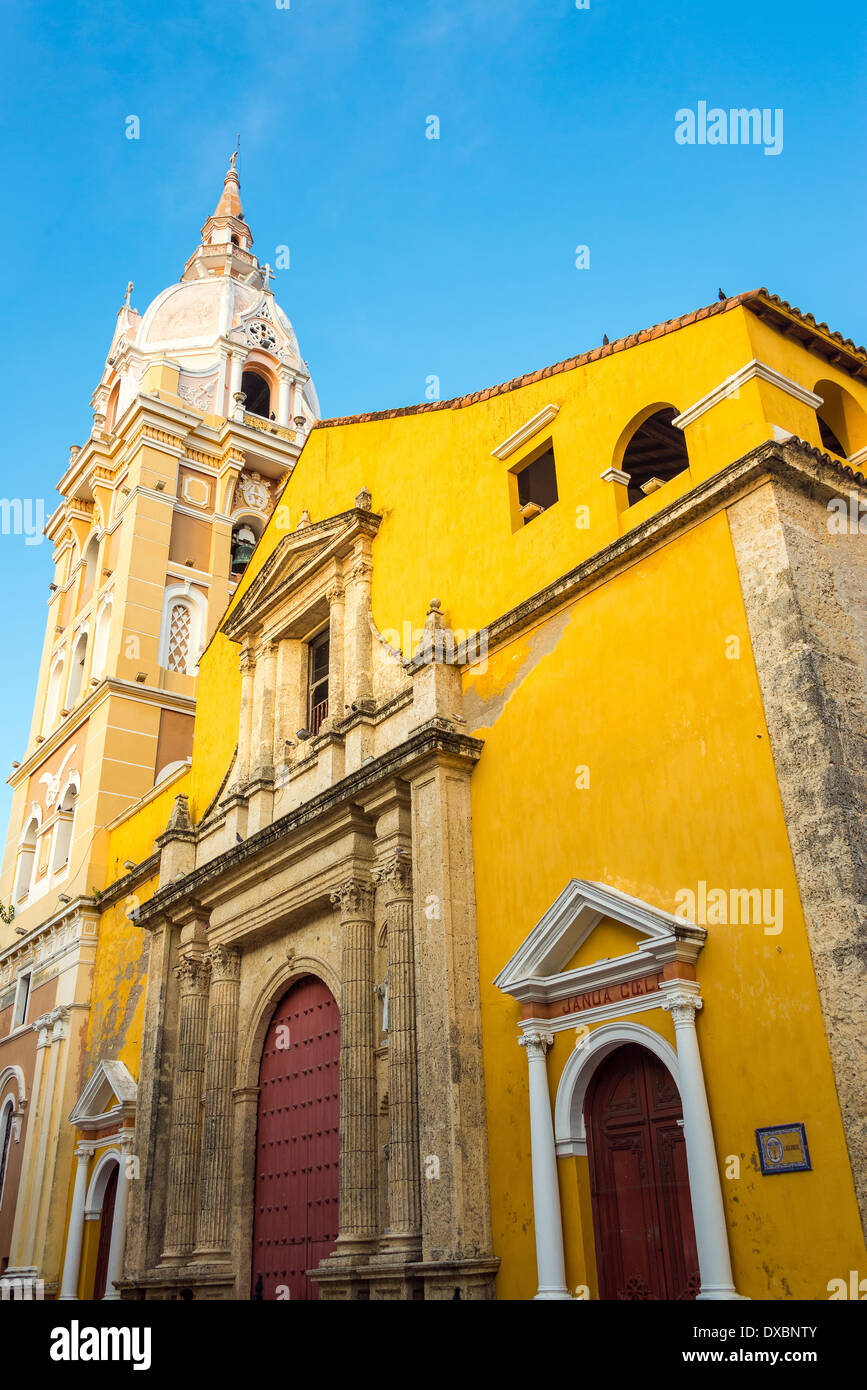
(230,198)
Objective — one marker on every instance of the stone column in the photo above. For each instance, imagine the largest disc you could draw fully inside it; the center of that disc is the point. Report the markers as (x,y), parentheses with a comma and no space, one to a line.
(283,397)
(185,1136)
(72,1258)
(403,1237)
(358,1120)
(118,1231)
(336,603)
(711,1237)
(550,1261)
(212,1241)
(357,650)
(235,373)
(247,665)
(263,710)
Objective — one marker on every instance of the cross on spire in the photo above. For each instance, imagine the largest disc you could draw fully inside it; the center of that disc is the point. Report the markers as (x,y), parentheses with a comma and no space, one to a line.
(267,274)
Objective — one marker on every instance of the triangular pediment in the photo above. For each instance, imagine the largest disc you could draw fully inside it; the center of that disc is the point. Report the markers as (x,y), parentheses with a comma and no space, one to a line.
(293,563)
(548,966)
(109,1095)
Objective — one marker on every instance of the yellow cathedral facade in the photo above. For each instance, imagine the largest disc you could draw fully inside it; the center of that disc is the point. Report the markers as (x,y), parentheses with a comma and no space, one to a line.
(437,866)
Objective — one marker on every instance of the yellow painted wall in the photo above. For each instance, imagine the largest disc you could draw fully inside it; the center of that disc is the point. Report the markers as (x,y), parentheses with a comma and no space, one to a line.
(638,689)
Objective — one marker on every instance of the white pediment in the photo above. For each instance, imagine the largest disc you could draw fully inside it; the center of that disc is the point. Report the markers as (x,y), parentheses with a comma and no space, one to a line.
(109,1096)
(538,969)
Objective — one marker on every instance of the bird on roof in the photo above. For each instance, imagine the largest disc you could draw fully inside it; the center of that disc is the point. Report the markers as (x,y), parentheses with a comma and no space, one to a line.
(605,340)
(722,295)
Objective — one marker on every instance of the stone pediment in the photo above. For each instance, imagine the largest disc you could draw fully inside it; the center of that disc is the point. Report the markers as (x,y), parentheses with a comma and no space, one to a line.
(539,971)
(109,1096)
(314,549)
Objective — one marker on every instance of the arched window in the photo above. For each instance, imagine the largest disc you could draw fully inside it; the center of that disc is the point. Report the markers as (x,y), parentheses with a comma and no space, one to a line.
(842,422)
(258,394)
(100,639)
(111,408)
(91,558)
(76,673)
(26,857)
(7,1120)
(64,828)
(244,540)
(655,453)
(183,630)
(52,698)
(180,623)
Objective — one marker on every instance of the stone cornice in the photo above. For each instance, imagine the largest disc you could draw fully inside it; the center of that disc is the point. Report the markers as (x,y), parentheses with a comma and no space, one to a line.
(733,383)
(433,740)
(795,462)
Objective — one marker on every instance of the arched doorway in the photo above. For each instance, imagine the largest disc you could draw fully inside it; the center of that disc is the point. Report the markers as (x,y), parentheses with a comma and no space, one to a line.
(105,1228)
(297,1143)
(642,1213)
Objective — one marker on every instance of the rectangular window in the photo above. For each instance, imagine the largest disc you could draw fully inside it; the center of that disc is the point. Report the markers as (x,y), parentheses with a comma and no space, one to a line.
(537,486)
(22,999)
(317,700)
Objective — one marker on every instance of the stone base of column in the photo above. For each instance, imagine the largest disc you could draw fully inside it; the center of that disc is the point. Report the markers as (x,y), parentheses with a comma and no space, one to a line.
(552,1296)
(439,1280)
(351,1250)
(722,1294)
(397,1246)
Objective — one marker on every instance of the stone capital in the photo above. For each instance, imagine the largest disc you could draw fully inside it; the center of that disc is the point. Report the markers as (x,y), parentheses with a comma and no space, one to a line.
(192,973)
(225,963)
(537,1041)
(395,872)
(682,1005)
(354,898)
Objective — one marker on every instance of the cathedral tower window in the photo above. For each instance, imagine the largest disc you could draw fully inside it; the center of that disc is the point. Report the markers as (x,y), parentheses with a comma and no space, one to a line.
(63,832)
(100,640)
(7,1119)
(76,674)
(258,394)
(317,686)
(842,422)
(180,621)
(243,544)
(91,556)
(26,858)
(52,698)
(183,630)
(655,453)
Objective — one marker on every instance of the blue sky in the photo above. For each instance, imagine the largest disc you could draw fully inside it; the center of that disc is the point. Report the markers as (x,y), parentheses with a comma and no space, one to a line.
(409,257)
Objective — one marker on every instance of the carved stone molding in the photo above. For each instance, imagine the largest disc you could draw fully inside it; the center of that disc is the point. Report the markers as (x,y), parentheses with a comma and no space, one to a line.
(396,873)
(193,975)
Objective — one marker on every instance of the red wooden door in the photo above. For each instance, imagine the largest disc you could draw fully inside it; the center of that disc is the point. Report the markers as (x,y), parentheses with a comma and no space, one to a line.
(297,1143)
(105,1225)
(642,1214)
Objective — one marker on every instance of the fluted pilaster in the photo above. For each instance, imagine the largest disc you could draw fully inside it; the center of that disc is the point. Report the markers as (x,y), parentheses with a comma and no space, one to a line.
(214,1199)
(185,1137)
(358,1159)
(404,1203)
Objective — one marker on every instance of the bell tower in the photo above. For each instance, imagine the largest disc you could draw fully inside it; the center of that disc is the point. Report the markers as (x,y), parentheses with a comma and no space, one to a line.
(202,408)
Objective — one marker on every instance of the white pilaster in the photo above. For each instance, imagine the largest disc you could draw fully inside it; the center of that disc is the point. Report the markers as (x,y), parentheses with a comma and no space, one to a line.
(118,1231)
(72,1258)
(681,1001)
(550,1260)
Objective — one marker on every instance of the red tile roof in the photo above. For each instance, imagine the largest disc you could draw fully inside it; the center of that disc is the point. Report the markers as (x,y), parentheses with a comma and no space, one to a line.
(840,351)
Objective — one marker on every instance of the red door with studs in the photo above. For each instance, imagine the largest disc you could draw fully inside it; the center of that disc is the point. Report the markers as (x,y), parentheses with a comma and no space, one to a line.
(642,1214)
(297,1143)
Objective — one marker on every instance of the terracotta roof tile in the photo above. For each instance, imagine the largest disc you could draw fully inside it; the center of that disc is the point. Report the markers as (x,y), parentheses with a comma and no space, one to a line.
(760,302)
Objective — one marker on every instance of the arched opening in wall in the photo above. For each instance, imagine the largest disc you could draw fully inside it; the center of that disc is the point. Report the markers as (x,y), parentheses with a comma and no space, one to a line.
(180,635)
(245,534)
(106,1223)
(295,1220)
(111,408)
(100,640)
(52,697)
(26,856)
(642,1209)
(655,452)
(842,422)
(258,393)
(7,1120)
(76,671)
(64,828)
(91,559)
